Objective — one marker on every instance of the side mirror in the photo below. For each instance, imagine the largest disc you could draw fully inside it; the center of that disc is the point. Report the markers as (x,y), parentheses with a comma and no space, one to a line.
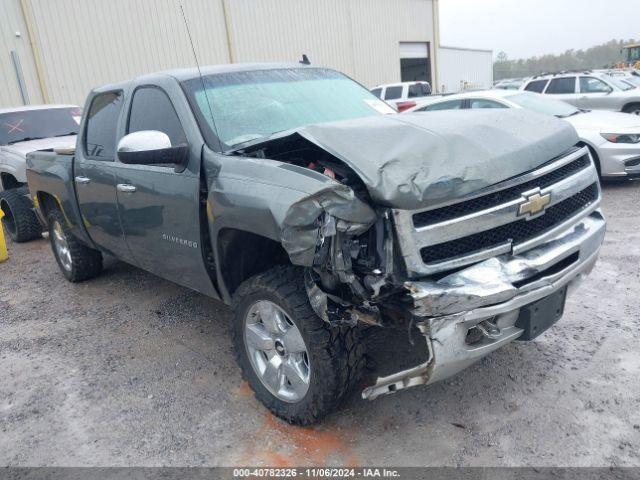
(150,147)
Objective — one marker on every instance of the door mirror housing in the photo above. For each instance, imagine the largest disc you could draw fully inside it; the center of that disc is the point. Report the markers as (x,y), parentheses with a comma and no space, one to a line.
(150,147)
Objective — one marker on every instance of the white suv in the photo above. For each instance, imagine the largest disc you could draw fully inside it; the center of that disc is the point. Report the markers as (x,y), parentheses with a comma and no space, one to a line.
(588,90)
(403,95)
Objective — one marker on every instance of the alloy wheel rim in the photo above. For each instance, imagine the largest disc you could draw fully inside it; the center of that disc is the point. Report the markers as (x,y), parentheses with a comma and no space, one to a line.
(62,247)
(277,351)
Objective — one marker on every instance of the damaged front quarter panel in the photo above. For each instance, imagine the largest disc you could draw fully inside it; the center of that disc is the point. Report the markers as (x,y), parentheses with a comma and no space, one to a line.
(322,215)
(317,233)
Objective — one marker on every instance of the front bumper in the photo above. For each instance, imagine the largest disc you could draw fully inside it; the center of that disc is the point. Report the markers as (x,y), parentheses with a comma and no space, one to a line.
(619,160)
(495,290)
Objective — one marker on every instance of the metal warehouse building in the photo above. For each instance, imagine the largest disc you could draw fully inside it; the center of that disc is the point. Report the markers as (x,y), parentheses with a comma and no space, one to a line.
(54,51)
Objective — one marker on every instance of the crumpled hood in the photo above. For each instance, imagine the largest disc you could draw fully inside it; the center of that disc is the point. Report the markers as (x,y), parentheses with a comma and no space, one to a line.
(23,148)
(410,161)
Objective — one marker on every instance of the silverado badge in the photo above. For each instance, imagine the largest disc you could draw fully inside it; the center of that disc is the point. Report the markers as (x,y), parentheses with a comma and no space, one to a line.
(534,204)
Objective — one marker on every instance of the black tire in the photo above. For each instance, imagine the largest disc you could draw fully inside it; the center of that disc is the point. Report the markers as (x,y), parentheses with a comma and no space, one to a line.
(336,356)
(85,262)
(632,108)
(20,221)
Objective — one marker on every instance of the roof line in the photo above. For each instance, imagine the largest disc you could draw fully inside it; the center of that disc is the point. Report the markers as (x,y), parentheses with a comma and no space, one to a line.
(469,49)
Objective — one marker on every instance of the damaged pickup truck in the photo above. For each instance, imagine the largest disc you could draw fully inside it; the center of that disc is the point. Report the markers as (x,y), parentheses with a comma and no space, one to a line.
(338,233)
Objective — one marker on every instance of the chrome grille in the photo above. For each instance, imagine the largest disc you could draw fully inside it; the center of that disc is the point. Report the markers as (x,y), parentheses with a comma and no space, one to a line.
(451,236)
(514,233)
(430,217)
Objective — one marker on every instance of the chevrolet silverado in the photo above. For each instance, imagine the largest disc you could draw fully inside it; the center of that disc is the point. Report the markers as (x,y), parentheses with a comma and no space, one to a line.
(357,247)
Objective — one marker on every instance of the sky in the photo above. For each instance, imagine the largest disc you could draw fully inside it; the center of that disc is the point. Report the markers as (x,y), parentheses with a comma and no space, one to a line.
(524,28)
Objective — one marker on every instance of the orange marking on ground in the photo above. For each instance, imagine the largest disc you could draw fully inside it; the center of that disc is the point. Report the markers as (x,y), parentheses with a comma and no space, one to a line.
(244,390)
(299,446)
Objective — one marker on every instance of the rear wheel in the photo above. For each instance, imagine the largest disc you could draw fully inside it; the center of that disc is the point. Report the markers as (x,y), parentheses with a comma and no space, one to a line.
(633,108)
(299,367)
(76,261)
(20,221)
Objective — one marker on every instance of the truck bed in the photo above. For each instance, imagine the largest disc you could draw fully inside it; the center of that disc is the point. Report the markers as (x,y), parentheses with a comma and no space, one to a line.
(52,172)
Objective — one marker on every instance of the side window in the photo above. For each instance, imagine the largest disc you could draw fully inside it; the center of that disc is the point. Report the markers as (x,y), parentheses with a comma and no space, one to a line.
(483,103)
(593,85)
(377,92)
(393,93)
(450,105)
(419,90)
(559,86)
(415,90)
(536,86)
(151,109)
(102,123)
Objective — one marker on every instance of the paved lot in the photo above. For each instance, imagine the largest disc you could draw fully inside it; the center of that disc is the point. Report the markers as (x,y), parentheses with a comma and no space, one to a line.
(129,369)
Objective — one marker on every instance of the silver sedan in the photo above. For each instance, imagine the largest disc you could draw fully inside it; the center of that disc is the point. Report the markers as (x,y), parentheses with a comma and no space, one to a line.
(612,137)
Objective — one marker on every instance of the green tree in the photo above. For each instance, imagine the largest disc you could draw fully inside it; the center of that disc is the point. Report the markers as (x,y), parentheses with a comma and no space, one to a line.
(600,56)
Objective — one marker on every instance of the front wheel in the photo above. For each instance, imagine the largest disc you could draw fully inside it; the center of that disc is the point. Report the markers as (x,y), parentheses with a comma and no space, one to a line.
(299,367)
(76,261)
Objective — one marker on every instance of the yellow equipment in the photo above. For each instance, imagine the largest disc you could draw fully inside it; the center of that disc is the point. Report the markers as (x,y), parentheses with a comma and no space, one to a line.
(3,245)
(632,55)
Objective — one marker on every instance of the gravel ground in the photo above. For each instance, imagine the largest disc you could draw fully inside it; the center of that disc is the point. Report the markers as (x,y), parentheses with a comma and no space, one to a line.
(129,369)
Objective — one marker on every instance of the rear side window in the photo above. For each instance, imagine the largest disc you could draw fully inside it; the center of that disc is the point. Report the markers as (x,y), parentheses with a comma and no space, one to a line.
(102,123)
(450,105)
(419,90)
(536,86)
(151,109)
(377,92)
(559,86)
(393,93)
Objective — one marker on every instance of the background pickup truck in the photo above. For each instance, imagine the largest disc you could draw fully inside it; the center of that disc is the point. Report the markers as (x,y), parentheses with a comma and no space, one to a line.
(24,130)
(336,232)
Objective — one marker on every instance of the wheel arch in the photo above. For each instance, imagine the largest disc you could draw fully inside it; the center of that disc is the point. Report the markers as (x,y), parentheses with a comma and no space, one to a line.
(242,254)
(46,203)
(8,181)
(627,106)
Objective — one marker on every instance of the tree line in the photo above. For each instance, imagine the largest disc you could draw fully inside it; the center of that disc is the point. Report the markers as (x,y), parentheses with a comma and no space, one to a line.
(600,56)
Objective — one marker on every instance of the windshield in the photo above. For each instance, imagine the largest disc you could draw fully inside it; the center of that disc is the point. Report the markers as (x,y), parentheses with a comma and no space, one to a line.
(619,84)
(634,81)
(256,104)
(27,125)
(540,104)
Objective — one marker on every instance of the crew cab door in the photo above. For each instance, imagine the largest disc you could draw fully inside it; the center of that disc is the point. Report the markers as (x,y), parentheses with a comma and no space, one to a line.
(95,174)
(159,205)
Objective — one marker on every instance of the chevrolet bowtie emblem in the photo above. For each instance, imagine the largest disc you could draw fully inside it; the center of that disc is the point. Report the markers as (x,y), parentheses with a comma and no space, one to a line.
(535,203)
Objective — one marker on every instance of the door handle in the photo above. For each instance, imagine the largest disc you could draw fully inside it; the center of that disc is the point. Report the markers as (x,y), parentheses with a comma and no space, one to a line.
(82,180)
(123,187)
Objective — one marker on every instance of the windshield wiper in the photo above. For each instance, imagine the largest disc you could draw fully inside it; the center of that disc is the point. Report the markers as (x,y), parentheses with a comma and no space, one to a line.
(25,139)
(65,134)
